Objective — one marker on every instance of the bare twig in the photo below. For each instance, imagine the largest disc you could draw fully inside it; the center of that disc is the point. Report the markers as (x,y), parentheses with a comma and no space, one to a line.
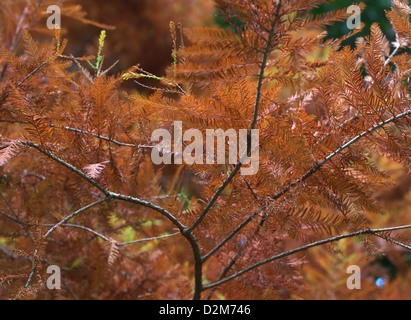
(67,165)
(100,235)
(118,143)
(69,225)
(16,39)
(321,163)
(389,239)
(33,270)
(231,235)
(147,239)
(52,229)
(25,79)
(392,55)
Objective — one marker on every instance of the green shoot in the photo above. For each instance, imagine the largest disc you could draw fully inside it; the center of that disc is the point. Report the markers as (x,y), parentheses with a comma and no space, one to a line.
(100,49)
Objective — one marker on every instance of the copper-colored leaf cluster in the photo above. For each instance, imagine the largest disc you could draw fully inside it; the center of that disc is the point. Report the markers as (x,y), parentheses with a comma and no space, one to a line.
(79,189)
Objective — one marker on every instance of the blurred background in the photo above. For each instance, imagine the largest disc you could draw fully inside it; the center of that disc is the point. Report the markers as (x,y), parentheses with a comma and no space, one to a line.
(142,34)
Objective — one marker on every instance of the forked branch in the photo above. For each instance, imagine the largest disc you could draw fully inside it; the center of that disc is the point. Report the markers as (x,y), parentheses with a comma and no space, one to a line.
(374,232)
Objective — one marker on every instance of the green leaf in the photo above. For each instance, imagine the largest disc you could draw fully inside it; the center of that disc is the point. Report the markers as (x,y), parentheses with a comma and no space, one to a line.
(3,182)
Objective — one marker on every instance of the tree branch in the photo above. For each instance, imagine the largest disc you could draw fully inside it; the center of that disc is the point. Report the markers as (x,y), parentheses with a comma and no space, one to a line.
(109,194)
(319,164)
(15,41)
(306,175)
(67,165)
(25,79)
(100,235)
(68,225)
(118,143)
(52,229)
(106,192)
(263,66)
(148,239)
(230,236)
(304,248)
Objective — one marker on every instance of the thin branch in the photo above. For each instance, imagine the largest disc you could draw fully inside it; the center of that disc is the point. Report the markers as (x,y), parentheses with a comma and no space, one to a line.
(263,66)
(100,235)
(67,165)
(14,257)
(15,41)
(106,192)
(26,78)
(147,239)
(240,252)
(12,218)
(150,205)
(198,265)
(309,173)
(68,225)
(321,163)
(250,187)
(8,253)
(69,217)
(392,55)
(16,217)
(215,196)
(119,143)
(33,270)
(183,229)
(230,236)
(32,73)
(389,239)
(108,69)
(304,248)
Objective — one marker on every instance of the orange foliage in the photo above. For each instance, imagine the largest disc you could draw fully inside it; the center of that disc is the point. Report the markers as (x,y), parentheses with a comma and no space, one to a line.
(80,191)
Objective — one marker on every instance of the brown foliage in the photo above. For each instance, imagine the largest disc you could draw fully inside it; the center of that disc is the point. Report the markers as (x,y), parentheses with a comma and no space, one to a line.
(80,191)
